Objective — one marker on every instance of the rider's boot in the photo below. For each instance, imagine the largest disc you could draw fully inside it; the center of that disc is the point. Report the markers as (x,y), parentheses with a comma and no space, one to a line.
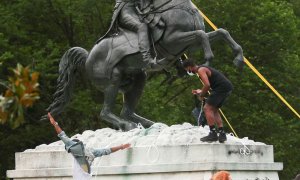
(144,45)
(150,62)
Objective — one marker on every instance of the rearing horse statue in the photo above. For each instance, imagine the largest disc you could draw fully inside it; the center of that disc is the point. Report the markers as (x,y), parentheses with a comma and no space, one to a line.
(115,64)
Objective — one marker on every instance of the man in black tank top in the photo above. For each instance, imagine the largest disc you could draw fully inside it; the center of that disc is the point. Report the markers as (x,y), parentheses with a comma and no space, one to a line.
(220,87)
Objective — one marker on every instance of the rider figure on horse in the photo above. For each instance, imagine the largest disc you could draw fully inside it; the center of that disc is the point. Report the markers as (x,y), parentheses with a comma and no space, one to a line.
(125,14)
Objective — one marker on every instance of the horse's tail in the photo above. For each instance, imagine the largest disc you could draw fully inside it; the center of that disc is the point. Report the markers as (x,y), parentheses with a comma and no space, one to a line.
(72,63)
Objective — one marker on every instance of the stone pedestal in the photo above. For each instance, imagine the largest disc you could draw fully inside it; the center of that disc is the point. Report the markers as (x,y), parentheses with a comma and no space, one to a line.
(160,153)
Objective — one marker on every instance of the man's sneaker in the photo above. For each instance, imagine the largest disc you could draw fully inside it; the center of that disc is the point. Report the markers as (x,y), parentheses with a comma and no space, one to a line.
(212,136)
(222,137)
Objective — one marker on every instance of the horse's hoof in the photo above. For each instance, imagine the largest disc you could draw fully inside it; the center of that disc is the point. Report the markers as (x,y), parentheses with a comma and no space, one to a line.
(207,63)
(127,126)
(209,58)
(239,63)
(148,124)
(137,119)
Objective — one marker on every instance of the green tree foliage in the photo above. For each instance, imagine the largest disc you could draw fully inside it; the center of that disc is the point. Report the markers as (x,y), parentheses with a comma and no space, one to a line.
(38,32)
(22,93)
(268,32)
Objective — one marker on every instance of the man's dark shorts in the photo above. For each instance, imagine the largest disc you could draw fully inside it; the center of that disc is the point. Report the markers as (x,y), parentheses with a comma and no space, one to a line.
(217,99)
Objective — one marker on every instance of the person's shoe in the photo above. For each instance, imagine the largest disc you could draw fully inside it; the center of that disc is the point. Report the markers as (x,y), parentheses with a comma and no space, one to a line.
(212,136)
(222,137)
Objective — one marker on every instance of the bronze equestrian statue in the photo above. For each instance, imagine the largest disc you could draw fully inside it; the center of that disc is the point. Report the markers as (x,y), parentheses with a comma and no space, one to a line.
(119,60)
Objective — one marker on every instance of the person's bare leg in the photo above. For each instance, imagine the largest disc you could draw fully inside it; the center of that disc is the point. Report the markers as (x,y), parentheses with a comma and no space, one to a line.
(219,122)
(218,118)
(209,113)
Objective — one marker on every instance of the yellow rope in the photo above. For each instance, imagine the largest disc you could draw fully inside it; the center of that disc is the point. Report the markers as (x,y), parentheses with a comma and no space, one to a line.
(228,123)
(271,87)
(255,70)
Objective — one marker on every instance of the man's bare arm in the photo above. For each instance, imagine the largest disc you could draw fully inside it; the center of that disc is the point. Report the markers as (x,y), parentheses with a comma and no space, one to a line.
(117,148)
(203,73)
(54,123)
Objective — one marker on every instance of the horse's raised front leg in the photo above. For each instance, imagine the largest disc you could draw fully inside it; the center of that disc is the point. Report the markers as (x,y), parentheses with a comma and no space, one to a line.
(131,99)
(191,39)
(236,48)
(110,94)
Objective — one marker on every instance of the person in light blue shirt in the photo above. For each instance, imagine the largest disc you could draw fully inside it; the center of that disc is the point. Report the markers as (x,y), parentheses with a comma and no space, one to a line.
(83,156)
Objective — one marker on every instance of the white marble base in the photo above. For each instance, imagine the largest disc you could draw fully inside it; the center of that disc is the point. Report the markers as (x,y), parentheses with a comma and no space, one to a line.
(196,171)
(161,160)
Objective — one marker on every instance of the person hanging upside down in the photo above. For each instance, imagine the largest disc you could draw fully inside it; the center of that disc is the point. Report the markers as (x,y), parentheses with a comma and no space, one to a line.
(221,88)
(83,156)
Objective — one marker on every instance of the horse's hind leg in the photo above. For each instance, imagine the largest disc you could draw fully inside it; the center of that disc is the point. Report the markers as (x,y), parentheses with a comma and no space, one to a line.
(193,38)
(110,94)
(237,49)
(131,98)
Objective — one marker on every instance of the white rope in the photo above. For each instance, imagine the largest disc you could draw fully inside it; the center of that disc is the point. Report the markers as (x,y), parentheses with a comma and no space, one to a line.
(154,160)
(198,120)
(153,144)
(244,150)
(100,158)
(148,153)
(153,148)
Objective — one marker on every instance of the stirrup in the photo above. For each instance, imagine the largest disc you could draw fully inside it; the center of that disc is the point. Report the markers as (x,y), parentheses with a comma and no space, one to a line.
(160,60)
(156,63)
